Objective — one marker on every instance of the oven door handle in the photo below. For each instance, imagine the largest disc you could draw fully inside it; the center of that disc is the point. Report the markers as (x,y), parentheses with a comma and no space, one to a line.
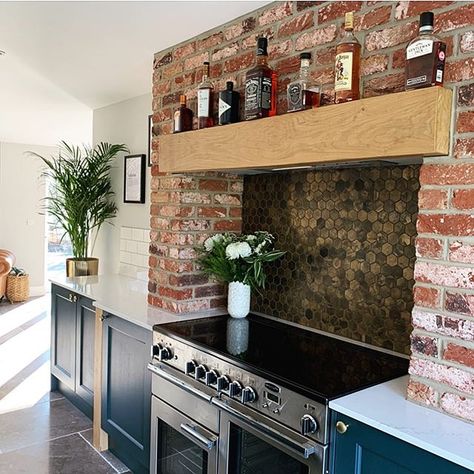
(180,383)
(302,449)
(197,437)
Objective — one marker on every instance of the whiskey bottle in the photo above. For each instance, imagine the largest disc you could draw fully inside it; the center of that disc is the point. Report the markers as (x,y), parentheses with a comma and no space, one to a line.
(228,105)
(300,94)
(183,117)
(205,92)
(425,57)
(258,85)
(347,65)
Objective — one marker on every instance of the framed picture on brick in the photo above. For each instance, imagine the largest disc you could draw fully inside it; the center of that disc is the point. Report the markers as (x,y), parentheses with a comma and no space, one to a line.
(134,179)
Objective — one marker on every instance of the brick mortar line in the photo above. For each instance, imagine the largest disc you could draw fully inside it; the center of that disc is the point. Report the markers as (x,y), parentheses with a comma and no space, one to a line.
(444,313)
(444,339)
(440,387)
(445,363)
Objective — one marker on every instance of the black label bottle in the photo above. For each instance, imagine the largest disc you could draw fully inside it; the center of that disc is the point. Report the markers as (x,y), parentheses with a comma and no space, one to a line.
(205,92)
(425,57)
(183,117)
(258,85)
(300,93)
(228,105)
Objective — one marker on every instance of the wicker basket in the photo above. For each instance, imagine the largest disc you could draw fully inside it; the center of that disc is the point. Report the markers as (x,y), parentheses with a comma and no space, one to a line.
(18,288)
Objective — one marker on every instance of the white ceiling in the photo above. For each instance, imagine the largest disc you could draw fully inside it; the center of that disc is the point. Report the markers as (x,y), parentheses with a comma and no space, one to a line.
(101,52)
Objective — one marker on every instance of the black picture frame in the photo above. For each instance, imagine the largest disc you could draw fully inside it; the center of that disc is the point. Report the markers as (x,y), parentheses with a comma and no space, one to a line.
(134,179)
(150,138)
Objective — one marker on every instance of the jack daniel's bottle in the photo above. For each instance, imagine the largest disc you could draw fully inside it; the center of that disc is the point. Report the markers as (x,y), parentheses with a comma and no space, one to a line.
(258,85)
(425,56)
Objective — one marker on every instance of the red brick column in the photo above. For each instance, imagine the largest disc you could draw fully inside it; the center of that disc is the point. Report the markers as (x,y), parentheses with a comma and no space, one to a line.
(185,209)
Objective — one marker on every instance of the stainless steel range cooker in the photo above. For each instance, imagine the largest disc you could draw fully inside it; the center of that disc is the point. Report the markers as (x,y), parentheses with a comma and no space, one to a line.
(235,396)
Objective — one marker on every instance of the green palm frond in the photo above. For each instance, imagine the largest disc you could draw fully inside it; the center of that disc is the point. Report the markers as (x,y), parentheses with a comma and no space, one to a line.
(80,194)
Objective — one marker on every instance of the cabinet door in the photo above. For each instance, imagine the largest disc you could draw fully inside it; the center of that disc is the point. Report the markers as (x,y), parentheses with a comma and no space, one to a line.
(126,391)
(85,350)
(63,335)
(365,450)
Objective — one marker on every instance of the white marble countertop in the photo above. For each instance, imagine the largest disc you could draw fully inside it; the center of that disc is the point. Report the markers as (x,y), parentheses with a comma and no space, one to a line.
(126,298)
(385,408)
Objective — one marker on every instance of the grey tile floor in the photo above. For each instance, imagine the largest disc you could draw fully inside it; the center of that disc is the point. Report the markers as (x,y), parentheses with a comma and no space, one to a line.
(41,432)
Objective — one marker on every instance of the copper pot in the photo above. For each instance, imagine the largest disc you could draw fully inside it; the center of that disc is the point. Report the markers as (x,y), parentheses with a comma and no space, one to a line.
(82,266)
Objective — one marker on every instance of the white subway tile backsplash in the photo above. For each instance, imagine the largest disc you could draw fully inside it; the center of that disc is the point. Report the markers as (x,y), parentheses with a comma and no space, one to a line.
(134,249)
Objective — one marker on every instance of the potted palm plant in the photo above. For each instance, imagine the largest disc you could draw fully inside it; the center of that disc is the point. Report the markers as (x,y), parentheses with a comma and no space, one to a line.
(80,198)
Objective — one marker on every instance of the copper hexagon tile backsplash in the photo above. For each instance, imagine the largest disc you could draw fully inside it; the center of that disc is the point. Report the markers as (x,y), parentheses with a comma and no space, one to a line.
(350,241)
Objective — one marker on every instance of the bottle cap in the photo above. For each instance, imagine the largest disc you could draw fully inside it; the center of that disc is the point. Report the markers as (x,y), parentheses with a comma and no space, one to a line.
(305,56)
(182,99)
(426,19)
(349,21)
(229,85)
(262,44)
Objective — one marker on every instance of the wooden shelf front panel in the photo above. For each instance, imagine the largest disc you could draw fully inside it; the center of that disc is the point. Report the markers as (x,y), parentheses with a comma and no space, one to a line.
(407,124)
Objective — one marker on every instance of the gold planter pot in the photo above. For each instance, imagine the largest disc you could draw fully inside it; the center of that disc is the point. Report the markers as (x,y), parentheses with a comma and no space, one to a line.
(82,266)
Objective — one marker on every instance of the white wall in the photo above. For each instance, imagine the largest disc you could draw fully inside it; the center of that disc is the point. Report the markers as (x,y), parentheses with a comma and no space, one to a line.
(124,122)
(34,110)
(22,227)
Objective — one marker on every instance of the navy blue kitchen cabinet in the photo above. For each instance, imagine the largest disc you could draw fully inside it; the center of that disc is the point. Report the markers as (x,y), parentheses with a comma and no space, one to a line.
(72,347)
(126,391)
(365,450)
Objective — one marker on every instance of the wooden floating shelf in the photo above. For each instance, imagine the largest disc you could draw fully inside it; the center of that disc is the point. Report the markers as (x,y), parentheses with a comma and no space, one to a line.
(409,124)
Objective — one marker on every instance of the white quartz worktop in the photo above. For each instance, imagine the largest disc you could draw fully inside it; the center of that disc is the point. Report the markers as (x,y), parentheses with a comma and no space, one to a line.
(126,298)
(385,408)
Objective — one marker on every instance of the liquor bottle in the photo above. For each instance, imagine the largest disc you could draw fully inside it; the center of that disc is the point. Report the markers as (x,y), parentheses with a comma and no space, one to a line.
(273,105)
(228,105)
(347,66)
(258,85)
(425,57)
(205,90)
(183,117)
(301,95)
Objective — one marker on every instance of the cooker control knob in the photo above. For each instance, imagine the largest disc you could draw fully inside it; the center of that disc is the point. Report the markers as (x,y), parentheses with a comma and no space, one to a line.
(222,383)
(155,350)
(165,354)
(190,367)
(248,395)
(235,388)
(211,377)
(200,372)
(308,425)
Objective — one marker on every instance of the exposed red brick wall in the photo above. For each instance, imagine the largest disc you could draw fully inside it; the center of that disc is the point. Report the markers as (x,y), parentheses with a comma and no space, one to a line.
(185,209)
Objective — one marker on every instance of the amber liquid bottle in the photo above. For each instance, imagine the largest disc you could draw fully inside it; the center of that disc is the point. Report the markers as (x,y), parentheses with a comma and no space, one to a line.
(258,85)
(425,57)
(205,93)
(183,117)
(347,65)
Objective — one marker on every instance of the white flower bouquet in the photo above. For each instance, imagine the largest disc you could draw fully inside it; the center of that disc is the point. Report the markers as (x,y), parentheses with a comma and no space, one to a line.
(238,258)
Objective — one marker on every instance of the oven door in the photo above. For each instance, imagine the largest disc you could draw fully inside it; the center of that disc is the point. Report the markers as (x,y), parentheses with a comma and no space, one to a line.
(250,442)
(178,444)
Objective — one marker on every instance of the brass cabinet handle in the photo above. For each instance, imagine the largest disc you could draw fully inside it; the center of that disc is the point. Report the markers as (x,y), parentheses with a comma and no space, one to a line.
(341,427)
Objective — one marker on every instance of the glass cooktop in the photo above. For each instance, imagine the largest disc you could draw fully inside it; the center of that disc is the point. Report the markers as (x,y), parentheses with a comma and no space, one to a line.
(323,365)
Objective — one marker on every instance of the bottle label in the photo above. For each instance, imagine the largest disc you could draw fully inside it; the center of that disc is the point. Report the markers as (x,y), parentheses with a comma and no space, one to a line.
(177,122)
(343,72)
(258,94)
(266,92)
(204,101)
(223,106)
(295,94)
(419,48)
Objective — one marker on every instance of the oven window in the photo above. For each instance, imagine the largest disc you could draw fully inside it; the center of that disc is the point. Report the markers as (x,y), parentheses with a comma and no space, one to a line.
(251,455)
(177,454)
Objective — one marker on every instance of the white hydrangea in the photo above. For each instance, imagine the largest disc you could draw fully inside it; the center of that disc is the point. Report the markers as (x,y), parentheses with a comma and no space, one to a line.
(251,237)
(211,241)
(238,249)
